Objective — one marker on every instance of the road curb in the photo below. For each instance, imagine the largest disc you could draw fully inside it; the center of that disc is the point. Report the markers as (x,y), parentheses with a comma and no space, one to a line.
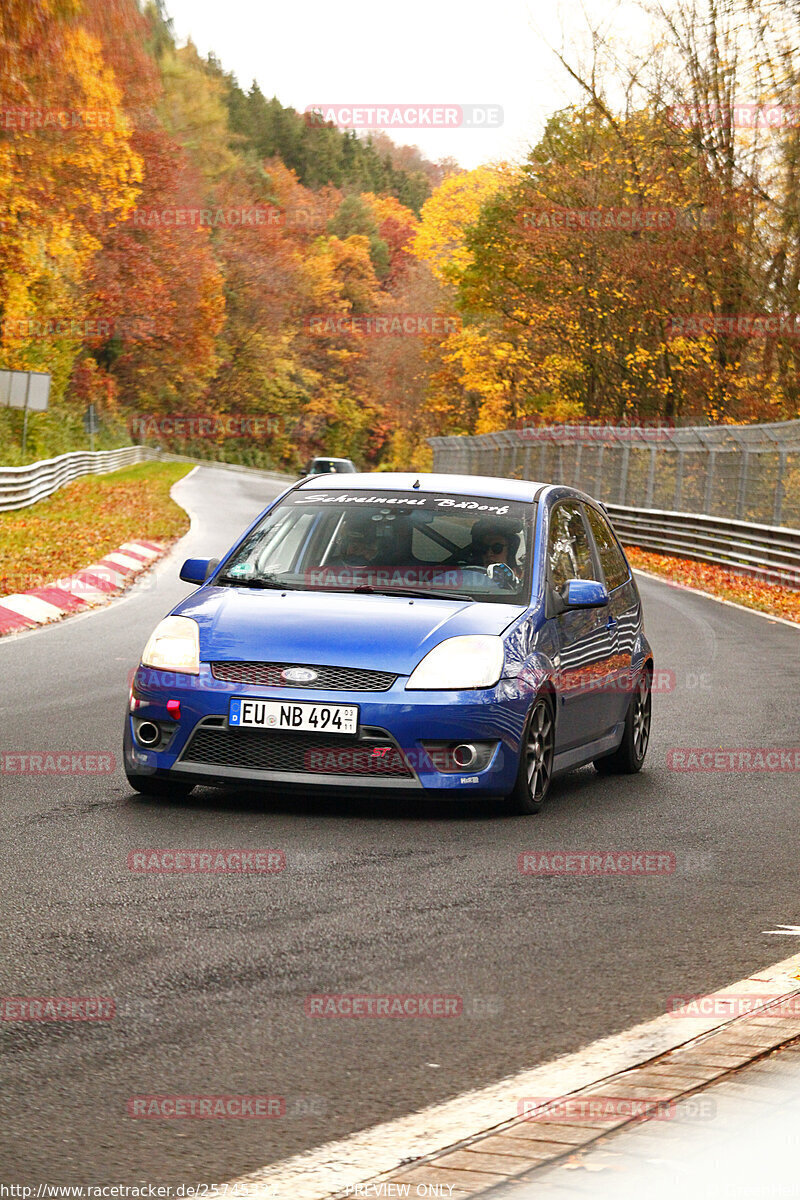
(89,588)
(535,1142)
(472,1142)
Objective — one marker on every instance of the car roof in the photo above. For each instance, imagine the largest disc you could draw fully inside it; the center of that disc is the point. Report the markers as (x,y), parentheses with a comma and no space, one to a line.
(396,481)
(329,458)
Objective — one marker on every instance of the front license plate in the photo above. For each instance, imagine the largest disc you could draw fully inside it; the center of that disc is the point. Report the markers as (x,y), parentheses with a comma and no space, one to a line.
(301,718)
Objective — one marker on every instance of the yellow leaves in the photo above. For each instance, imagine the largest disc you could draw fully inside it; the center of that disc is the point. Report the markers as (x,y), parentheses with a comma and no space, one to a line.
(448,213)
(193,110)
(385,207)
(72,159)
(343,275)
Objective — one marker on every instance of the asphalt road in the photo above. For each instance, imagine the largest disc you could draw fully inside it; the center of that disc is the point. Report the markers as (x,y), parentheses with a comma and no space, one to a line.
(210,972)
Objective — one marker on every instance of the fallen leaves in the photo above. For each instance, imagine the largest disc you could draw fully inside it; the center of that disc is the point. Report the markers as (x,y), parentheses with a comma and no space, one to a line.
(776,599)
(86,520)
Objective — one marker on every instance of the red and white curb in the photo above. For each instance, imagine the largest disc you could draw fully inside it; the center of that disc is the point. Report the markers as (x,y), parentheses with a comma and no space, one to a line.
(89,588)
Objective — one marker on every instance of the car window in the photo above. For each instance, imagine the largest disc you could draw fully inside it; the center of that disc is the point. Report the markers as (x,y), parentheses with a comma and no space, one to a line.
(387,541)
(612,560)
(568,550)
(278,552)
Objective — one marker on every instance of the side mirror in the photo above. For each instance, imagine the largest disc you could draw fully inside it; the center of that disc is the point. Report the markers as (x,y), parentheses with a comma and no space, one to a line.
(197,570)
(584,593)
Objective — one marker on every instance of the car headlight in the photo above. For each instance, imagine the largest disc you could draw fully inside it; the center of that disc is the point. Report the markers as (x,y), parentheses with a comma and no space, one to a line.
(459,663)
(174,645)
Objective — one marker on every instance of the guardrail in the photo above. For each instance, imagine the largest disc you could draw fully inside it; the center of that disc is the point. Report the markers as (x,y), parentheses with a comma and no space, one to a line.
(23,486)
(767,552)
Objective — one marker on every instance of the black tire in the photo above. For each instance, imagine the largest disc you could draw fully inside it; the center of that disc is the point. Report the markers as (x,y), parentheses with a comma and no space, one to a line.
(629,756)
(535,760)
(155,785)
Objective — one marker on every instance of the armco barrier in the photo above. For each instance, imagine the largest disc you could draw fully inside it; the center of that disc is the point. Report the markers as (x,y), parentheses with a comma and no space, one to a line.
(23,486)
(768,552)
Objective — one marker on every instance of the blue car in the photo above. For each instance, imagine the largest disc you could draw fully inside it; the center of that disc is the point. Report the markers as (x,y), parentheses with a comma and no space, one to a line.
(446,635)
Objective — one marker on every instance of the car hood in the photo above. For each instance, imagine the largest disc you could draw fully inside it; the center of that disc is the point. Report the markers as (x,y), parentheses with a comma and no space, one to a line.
(384,633)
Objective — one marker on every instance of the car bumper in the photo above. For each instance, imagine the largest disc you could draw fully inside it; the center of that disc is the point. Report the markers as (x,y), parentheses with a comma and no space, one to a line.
(388,752)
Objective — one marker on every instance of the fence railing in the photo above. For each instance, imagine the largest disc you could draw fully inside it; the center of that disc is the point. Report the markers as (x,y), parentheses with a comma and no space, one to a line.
(767,552)
(23,486)
(728,495)
(748,472)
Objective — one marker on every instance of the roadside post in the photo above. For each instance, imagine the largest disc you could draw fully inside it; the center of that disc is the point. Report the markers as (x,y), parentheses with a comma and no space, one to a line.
(28,390)
(91,423)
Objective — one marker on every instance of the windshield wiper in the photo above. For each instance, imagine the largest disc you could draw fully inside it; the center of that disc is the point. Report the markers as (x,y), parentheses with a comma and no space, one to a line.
(254,581)
(367,589)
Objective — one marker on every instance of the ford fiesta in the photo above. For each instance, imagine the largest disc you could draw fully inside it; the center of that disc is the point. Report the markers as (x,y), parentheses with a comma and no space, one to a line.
(444,634)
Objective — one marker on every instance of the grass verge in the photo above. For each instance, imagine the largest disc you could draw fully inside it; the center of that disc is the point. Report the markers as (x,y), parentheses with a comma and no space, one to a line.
(86,520)
(772,598)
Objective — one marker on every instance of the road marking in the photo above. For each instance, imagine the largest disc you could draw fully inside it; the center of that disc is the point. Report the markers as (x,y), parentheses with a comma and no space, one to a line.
(124,560)
(326,1170)
(33,608)
(139,549)
(786,930)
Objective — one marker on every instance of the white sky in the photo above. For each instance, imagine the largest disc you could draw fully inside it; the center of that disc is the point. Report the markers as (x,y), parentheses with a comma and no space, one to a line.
(414,52)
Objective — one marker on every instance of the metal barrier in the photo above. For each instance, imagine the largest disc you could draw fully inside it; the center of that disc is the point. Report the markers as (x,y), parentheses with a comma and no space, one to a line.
(750,471)
(767,552)
(23,486)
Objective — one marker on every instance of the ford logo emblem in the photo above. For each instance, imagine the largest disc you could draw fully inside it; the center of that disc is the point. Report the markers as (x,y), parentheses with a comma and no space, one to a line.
(299,675)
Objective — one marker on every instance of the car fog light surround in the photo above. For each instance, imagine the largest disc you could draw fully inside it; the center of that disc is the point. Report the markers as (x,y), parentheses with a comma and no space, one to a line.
(445,757)
(174,645)
(459,664)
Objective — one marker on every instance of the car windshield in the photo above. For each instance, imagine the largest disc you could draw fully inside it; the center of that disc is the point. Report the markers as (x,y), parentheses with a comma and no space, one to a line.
(323,465)
(404,543)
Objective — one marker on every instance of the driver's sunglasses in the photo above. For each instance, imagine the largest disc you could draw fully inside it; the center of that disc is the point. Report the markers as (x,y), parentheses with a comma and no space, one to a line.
(495,547)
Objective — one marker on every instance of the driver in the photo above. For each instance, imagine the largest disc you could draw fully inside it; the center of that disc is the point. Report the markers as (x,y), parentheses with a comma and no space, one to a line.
(359,545)
(495,541)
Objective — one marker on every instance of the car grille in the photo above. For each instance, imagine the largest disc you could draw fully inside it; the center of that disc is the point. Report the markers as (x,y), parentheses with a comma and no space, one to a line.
(268,674)
(302,754)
